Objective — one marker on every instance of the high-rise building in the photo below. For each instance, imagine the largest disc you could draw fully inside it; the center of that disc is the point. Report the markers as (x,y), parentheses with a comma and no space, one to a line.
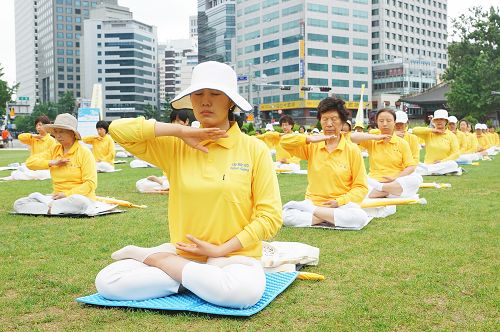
(27,50)
(176,60)
(121,54)
(312,49)
(193,27)
(409,47)
(216,30)
(60,25)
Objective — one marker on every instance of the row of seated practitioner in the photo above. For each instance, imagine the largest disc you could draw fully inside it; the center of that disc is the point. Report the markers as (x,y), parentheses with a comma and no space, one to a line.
(224,198)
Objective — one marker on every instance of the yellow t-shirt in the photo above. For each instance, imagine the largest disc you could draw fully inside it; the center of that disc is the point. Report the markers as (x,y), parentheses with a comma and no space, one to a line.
(438,147)
(338,175)
(37,145)
(472,143)
(388,159)
(412,141)
(79,176)
(230,191)
(103,148)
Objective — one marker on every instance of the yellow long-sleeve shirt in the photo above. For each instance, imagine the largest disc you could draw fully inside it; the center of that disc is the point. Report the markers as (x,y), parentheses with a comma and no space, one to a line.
(438,147)
(414,145)
(37,145)
(494,139)
(338,175)
(472,143)
(484,143)
(462,141)
(79,176)
(388,159)
(271,138)
(230,191)
(103,148)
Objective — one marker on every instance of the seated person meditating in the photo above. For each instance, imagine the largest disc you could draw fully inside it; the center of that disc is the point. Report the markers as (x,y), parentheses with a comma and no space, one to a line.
(103,147)
(392,165)
(441,147)
(40,142)
(401,129)
(224,201)
(37,143)
(73,172)
(336,174)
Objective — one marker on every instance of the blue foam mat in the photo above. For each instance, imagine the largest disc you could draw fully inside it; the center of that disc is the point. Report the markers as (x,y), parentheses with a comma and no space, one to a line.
(275,284)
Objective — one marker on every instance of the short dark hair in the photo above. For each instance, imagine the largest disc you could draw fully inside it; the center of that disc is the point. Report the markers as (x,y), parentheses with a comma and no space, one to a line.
(387,110)
(287,119)
(43,119)
(332,104)
(102,124)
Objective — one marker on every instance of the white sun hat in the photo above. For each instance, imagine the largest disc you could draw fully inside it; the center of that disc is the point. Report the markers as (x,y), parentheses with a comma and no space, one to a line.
(401,117)
(485,127)
(196,124)
(478,126)
(440,114)
(452,119)
(64,121)
(269,127)
(212,75)
(315,130)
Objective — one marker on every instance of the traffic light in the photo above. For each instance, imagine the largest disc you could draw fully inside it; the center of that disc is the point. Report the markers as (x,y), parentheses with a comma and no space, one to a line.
(324,88)
(285,87)
(306,88)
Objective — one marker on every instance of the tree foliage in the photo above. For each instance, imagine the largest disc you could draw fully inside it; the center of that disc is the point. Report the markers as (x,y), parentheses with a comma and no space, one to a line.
(67,103)
(474,64)
(26,123)
(152,112)
(6,93)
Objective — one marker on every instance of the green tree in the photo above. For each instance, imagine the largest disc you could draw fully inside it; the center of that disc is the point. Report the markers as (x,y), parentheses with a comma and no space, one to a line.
(474,64)
(151,112)
(6,93)
(67,103)
(27,123)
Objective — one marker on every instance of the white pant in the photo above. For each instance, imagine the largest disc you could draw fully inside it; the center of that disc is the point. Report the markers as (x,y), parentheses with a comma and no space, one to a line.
(235,282)
(137,163)
(441,168)
(349,215)
(409,183)
(145,185)
(291,166)
(37,203)
(468,158)
(104,167)
(24,173)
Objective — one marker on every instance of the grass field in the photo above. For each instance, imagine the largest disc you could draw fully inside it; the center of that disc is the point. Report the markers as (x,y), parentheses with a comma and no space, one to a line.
(431,267)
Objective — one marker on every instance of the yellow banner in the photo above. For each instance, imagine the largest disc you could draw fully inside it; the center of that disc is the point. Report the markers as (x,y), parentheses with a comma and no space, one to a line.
(287,105)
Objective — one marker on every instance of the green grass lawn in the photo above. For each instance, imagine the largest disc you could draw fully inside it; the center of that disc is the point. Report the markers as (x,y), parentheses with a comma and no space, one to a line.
(428,267)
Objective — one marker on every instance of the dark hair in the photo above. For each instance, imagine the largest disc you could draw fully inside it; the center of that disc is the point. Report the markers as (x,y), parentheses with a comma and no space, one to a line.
(286,119)
(387,110)
(182,114)
(102,124)
(43,119)
(332,104)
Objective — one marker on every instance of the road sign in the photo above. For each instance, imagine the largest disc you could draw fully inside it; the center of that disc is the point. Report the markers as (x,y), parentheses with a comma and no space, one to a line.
(24,98)
(242,78)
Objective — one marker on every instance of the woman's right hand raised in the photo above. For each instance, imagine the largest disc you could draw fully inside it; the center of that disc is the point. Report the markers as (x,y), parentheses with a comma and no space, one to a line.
(194,136)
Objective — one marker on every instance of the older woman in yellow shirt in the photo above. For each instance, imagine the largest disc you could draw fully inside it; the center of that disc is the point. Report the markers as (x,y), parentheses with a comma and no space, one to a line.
(401,129)
(392,165)
(336,173)
(224,200)
(103,147)
(441,147)
(72,167)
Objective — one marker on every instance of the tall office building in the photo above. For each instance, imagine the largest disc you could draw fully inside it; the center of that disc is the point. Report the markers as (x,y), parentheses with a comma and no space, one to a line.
(121,54)
(176,60)
(27,49)
(315,49)
(216,30)
(409,47)
(193,27)
(60,25)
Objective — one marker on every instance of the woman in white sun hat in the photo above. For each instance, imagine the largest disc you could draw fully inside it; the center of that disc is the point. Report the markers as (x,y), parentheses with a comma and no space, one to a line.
(224,200)
(463,142)
(441,147)
(72,168)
